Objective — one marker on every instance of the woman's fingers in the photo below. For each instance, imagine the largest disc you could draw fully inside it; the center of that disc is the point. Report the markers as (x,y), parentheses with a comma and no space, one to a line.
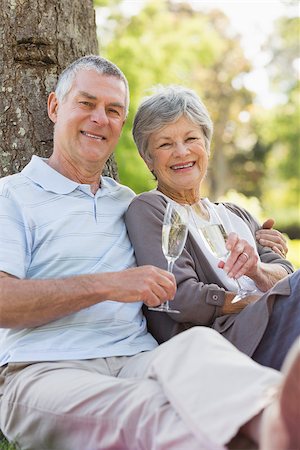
(242,257)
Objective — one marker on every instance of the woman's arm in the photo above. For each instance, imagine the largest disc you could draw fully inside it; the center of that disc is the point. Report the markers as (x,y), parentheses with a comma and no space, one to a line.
(199,296)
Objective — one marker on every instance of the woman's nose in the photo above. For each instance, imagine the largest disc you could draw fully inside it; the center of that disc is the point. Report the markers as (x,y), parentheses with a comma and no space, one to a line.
(182,148)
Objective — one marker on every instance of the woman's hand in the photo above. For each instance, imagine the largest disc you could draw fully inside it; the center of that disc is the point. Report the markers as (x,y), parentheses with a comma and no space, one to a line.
(243,259)
(268,237)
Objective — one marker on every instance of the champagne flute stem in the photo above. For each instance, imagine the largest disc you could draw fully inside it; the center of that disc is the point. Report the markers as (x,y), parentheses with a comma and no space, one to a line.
(170,269)
(239,284)
(170,265)
(241,293)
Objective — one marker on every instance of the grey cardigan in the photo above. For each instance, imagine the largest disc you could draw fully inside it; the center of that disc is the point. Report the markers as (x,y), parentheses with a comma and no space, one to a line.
(200,293)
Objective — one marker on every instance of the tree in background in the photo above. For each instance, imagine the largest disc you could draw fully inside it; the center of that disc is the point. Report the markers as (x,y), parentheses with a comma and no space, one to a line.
(172,43)
(38,39)
(278,128)
(169,42)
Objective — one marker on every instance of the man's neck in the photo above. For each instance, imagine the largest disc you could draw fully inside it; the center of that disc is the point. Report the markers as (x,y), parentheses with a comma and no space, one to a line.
(84,175)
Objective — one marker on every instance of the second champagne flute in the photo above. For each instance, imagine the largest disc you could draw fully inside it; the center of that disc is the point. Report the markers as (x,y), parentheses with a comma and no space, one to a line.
(174,233)
(215,236)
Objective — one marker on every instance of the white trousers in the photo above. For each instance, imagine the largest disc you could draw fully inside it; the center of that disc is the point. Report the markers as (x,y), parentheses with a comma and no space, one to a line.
(193,392)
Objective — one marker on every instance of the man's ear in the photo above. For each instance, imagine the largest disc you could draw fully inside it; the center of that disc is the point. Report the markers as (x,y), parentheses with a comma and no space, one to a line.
(52,107)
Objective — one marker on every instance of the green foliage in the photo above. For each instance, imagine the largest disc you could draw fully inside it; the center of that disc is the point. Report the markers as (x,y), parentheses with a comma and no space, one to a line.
(278,130)
(4,444)
(294,252)
(103,3)
(167,42)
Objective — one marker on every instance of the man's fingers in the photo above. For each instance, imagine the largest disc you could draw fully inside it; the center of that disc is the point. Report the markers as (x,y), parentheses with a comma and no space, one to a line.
(269,223)
(159,285)
(273,239)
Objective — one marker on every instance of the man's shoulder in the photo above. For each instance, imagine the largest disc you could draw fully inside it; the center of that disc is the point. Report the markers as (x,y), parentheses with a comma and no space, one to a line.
(115,187)
(10,183)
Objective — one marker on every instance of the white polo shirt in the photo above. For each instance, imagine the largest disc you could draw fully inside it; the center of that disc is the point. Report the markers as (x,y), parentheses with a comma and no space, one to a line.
(53,227)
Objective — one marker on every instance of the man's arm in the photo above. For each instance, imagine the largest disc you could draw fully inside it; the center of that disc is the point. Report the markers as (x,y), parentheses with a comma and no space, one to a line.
(30,303)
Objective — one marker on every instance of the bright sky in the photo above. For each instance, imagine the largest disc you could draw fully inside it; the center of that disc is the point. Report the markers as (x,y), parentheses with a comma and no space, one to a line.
(254,21)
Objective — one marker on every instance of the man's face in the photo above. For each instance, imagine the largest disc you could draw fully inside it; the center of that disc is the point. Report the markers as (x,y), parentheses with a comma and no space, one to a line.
(89,120)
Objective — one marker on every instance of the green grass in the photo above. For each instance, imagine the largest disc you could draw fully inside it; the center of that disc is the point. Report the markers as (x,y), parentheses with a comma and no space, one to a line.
(4,445)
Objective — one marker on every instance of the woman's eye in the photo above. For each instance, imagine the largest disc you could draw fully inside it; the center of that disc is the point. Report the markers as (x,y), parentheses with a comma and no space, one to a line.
(164,145)
(191,138)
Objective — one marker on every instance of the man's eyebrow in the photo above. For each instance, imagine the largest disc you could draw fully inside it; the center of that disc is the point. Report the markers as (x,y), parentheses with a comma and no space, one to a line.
(87,95)
(117,105)
(93,97)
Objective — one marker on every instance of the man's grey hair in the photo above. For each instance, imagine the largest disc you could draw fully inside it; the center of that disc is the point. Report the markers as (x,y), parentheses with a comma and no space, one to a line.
(166,105)
(90,62)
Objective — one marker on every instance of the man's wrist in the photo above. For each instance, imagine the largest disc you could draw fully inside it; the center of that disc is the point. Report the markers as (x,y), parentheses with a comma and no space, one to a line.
(235,308)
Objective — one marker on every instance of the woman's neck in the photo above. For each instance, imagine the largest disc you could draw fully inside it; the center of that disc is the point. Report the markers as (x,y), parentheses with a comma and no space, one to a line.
(186,197)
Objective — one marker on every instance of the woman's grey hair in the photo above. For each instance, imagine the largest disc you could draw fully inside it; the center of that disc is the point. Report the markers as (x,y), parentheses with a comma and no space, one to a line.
(167,105)
(90,62)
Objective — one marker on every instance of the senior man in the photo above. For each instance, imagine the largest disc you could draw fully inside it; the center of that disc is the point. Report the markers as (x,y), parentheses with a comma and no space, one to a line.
(78,369)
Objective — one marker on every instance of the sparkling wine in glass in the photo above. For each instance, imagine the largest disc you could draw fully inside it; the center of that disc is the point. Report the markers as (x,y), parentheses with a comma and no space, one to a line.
(215,236)
(174,233)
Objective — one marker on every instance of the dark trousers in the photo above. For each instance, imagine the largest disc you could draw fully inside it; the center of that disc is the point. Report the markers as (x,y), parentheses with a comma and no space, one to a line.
(283,327)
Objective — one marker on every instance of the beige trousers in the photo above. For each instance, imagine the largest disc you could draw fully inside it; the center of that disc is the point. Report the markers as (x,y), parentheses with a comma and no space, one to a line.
(192,392)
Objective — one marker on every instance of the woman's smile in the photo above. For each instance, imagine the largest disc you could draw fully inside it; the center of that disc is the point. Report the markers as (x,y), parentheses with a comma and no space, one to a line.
(178,158)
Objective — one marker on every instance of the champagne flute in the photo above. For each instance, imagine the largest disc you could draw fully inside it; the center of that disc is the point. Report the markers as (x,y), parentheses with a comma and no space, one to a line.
(174,233)
(215,236)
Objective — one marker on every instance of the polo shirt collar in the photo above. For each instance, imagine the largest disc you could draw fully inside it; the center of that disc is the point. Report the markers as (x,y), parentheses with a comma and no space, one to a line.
(49,179)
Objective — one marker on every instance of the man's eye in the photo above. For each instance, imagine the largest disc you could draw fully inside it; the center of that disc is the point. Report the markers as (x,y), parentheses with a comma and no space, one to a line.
(115,112)
(86,103)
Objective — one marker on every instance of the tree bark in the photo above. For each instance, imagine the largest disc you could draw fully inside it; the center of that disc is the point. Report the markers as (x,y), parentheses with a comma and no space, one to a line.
(38,39)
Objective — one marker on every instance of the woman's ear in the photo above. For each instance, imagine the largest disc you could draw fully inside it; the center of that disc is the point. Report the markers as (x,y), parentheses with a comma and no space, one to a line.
(52,107)
(148,160)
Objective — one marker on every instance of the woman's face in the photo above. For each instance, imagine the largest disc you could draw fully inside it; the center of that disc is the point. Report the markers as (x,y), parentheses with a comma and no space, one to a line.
(177,156)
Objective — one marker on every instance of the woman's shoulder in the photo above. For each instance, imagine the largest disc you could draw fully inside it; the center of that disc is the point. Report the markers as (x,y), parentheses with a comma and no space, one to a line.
(154,198)
(149,207)
(239,211)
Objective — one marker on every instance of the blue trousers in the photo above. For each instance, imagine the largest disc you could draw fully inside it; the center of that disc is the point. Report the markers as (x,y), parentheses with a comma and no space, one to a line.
(283,327)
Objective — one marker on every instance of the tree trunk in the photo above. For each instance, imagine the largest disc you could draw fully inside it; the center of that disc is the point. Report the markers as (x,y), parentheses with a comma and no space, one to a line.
(38,39)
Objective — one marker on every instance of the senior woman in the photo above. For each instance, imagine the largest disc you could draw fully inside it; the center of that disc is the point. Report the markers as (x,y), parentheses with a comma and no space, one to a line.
(172,130)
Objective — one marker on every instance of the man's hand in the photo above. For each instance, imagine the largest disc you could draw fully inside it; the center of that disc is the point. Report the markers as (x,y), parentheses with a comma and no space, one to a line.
(268,237)
(147,284)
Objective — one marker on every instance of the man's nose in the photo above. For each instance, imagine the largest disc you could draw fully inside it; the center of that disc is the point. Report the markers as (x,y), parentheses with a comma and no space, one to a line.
(99,116)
